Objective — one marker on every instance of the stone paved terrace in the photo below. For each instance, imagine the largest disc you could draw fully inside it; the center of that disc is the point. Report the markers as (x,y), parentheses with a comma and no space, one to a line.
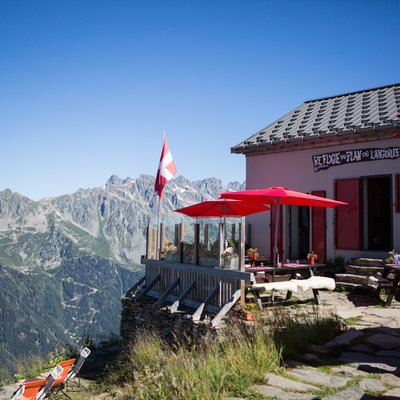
(361,364)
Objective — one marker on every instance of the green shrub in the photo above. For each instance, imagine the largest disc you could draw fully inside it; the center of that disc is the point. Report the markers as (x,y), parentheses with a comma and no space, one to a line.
(309,328)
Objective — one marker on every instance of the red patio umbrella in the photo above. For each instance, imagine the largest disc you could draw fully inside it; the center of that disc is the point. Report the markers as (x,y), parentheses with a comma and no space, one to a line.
(226,208)
(223,208)
(281,196)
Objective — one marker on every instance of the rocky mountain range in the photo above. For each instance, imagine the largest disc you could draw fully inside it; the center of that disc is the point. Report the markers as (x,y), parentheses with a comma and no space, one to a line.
(109,222)
(66,261)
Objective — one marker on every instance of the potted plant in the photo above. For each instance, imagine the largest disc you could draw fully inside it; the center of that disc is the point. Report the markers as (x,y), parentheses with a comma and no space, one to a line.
(391,257)
(229,258)
(169,250)
(312,257)
(244,310)
(253,253)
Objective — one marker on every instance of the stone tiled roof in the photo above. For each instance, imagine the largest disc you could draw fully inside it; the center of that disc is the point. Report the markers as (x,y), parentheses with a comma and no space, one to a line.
(351,113)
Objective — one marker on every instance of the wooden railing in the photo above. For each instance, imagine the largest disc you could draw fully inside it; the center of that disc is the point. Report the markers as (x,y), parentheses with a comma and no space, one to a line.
(192,285)
(156,241)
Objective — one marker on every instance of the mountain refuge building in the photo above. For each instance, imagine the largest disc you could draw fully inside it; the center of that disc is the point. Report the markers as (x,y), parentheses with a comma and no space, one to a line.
(344,147)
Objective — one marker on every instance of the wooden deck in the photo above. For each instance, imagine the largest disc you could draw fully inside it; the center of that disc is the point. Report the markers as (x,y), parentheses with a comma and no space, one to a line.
(178,284)
(184,285)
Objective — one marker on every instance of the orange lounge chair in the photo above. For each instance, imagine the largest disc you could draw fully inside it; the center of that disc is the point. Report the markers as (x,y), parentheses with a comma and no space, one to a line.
(75,366)
(38,389)
(55,382)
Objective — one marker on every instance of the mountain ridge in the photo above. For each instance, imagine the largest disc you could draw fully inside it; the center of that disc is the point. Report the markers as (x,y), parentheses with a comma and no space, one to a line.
(108,221)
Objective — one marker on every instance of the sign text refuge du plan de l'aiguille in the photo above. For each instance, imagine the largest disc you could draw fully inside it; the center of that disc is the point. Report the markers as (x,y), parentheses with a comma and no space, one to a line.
(327,160)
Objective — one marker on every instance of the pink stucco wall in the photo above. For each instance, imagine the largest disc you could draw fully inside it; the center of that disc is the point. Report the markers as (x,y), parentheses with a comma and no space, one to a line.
(295,171)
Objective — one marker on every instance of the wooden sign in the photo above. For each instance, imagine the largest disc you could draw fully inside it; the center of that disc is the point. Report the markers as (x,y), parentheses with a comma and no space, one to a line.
(327,160)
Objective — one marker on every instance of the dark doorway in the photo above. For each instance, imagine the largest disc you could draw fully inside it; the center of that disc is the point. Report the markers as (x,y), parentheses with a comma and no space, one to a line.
(378,221)
(304,231)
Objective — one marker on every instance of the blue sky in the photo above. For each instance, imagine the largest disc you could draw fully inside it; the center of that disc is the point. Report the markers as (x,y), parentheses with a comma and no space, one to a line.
(88,87)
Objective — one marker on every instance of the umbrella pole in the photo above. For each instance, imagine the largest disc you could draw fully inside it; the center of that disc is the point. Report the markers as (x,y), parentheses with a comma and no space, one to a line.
(278,207)
(225,241)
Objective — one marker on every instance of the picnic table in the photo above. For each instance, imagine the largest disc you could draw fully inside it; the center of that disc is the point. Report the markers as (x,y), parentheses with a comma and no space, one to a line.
(273,282)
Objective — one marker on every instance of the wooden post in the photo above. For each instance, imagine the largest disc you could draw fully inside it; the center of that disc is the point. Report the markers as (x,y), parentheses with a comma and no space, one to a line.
(155,243)
(233,232)
(221,242)
(181,244)
(242,253)
(176,241)
(149,242)
(206,237)
(196,244)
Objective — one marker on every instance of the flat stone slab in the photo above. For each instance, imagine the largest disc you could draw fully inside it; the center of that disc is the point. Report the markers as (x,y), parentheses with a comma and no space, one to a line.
(385,312)
(377,321)
(373,385)
(392,394)
(312,375)
(376,368)
(275,392)
(6,392)
(309,357)
(363,348)
(349,394)
(390,379)
(288,384)
(294,364)
(349,371)
(318,349)
(388,330)
(388,353)
(384,341)
(362,358)
(344,338)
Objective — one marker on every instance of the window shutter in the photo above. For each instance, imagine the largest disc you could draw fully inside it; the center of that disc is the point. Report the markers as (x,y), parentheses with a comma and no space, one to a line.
(348,218)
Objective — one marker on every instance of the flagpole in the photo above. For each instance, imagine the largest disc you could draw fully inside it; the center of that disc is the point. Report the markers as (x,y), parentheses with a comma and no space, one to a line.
(159,249)
(159,229)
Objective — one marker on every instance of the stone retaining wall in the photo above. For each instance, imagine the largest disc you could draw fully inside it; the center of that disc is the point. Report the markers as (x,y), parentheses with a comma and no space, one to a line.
(176,328)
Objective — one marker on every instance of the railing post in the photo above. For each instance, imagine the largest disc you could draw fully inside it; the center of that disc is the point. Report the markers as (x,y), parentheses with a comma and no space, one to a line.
(242,253)
(221,242)
(196,244)
(206,237)
(181,244)
(233,232)
(149,242)
(176,241)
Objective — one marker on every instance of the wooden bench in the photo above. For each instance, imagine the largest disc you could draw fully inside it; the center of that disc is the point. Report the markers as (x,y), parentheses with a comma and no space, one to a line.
(315,283)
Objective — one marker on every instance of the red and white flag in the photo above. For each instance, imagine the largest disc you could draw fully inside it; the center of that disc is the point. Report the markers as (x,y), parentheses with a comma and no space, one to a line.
(166,169)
